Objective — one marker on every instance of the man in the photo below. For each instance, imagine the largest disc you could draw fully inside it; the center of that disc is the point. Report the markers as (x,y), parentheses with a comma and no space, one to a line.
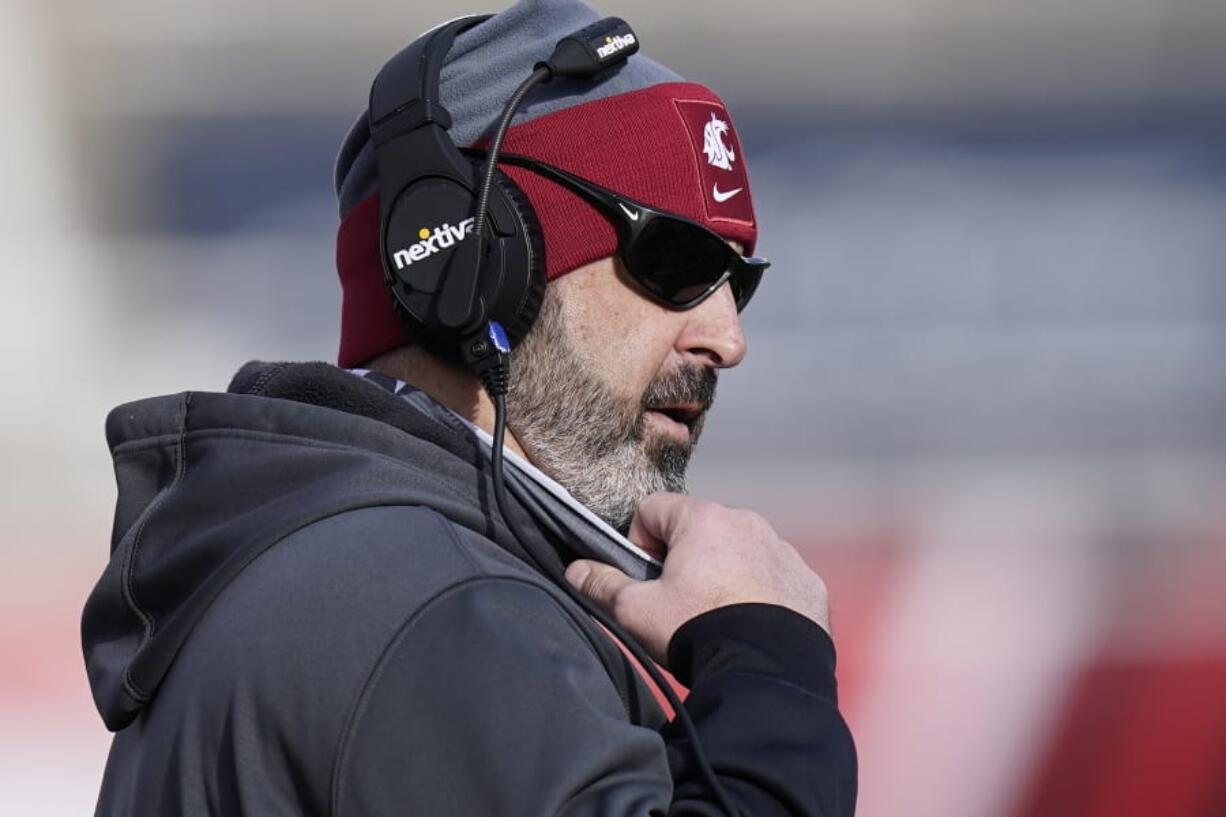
(314,606)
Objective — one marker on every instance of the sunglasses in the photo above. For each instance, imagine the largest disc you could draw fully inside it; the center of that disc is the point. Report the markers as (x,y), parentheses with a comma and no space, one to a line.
(673,260)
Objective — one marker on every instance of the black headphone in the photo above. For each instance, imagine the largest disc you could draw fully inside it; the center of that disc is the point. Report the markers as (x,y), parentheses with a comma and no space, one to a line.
(427,190)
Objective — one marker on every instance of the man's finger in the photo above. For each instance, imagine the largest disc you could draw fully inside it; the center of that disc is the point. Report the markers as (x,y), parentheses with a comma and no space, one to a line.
(641,536)
(655,520)
(597,581)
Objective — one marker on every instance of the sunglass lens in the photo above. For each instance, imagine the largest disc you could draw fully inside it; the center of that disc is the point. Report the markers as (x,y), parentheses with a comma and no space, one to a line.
(745,282)
(676,261)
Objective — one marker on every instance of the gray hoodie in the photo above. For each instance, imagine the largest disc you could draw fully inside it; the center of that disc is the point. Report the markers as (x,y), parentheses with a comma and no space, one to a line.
(314,606)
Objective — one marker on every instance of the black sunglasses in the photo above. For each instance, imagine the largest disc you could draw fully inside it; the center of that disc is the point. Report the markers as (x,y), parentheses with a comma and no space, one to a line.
(674,260)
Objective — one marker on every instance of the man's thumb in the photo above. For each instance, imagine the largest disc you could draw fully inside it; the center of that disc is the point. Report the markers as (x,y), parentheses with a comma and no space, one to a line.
(597,581)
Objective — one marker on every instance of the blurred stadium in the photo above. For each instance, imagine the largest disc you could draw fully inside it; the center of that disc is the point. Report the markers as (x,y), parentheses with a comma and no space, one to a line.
(986,389)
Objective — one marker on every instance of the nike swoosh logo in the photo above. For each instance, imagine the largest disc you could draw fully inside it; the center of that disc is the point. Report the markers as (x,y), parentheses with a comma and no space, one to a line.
(633,215)
(721,196)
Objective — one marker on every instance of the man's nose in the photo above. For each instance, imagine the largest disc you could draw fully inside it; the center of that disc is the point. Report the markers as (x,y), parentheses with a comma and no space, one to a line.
(713,331)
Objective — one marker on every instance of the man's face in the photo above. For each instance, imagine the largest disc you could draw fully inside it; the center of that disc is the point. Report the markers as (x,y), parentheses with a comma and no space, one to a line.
(610,390)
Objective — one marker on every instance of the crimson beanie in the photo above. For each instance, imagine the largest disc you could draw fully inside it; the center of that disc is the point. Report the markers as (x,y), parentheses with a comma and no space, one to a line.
(640,130)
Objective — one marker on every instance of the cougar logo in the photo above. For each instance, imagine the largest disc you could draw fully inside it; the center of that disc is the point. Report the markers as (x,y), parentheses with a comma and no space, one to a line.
(432,241)
(718,154)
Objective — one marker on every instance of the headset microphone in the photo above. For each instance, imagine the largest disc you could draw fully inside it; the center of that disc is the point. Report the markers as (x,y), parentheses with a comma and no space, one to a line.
(592,49)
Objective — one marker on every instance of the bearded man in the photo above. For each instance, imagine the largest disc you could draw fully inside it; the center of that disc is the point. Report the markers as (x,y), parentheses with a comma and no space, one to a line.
(315,606)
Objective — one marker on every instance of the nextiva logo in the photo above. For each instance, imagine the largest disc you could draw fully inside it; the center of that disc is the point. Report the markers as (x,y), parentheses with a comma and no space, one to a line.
(440,238)
(614,44)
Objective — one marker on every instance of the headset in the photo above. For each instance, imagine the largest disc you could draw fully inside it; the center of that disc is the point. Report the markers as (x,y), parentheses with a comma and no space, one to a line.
(427,188)
(444,285)
(461,247)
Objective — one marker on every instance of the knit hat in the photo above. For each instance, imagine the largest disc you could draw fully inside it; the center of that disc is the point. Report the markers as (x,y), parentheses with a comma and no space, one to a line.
(640,130)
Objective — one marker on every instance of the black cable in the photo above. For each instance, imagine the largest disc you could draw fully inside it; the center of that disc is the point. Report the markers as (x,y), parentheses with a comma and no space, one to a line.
(682,715)
(494,371)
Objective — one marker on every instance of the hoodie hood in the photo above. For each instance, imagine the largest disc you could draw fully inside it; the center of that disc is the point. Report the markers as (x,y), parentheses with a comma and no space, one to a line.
(208,481)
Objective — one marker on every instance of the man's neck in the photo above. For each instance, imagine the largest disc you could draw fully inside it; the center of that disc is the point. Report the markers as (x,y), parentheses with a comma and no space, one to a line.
(449,384)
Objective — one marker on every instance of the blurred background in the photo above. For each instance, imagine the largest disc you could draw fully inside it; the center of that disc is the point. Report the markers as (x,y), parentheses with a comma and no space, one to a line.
(986,388)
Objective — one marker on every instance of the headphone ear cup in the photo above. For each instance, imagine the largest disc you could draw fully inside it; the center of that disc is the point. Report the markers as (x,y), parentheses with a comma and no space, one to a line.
(511,282)
(529,302)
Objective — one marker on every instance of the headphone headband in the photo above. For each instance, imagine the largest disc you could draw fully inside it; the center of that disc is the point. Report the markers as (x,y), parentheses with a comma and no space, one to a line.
(405,94)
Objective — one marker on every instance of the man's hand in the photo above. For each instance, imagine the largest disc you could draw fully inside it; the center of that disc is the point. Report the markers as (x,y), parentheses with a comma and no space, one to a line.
(713,557)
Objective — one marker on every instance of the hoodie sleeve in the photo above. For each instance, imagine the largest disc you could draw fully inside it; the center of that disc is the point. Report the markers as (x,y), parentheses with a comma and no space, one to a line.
(490,700)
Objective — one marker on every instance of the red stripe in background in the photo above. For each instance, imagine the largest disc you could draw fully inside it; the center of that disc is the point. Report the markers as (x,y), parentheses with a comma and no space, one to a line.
(1144,731)
(1139,739)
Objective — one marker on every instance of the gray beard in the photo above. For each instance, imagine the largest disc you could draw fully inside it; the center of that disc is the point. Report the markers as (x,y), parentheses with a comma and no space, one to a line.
(587,437)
